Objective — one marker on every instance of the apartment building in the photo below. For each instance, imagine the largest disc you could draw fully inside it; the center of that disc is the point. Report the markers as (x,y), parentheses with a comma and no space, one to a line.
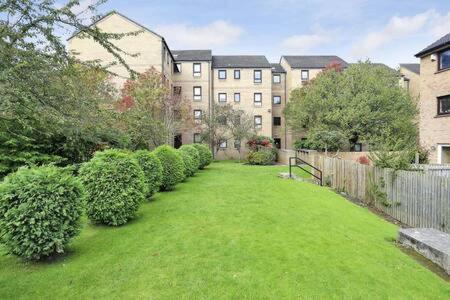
(434,104)
(248,82)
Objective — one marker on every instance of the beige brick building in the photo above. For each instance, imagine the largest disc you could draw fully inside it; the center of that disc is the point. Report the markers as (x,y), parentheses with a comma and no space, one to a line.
(434,101)
(410,79)
(247,82)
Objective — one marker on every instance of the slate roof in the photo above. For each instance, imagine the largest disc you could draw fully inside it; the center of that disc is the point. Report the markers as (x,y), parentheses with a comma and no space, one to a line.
(192,55)
(240,61)
(412,67)
(443,41)
(313,61)
(277,68)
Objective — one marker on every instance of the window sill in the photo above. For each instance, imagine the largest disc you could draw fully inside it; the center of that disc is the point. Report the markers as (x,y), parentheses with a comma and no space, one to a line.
(442,116)
(257,83)
(442,71)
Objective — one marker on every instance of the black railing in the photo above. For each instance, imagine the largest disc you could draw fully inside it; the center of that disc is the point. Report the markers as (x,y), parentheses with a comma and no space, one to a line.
(299,162)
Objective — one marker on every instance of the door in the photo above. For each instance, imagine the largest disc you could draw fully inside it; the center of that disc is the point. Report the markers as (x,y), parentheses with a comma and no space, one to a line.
(177,141)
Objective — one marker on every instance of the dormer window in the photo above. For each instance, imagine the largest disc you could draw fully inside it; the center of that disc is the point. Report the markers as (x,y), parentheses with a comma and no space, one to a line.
(444,60)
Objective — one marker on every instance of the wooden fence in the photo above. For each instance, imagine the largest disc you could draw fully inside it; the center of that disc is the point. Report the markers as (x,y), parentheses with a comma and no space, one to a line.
(440,170)
(416,198)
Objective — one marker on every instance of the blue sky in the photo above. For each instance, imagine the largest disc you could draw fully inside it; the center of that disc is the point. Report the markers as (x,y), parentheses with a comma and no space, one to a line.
(385,31)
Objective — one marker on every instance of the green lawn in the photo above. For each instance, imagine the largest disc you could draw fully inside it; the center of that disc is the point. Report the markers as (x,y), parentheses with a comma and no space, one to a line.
(233,232)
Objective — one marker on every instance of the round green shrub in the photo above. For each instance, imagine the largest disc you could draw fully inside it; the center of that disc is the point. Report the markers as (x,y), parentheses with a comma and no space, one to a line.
(115,186)
(262,157)
(193,152)
(152,168)
(40,210)
(189,165)
(205,155)
(173,167)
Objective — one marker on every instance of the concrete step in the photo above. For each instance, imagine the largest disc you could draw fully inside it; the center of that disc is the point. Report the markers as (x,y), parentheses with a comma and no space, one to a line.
(429,242)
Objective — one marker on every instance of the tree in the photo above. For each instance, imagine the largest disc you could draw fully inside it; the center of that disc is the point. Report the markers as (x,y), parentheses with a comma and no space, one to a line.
(150,115)
(241,127)
(362,103)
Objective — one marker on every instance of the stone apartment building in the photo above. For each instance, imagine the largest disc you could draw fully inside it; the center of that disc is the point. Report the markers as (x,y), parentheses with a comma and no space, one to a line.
(248,82)
(434,103)
(410,79)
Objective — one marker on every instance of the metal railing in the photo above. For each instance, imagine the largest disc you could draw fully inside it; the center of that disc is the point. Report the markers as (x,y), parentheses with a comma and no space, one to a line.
(299,162)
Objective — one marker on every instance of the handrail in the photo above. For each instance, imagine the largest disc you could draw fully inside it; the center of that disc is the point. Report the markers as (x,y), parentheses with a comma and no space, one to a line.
(304,163)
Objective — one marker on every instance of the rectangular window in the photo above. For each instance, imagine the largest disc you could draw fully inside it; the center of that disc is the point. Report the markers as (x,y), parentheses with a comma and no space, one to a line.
(257,76)
(197,68)
(237,144)
(237,97)
(444,105)
(258,122)
(276,78)
(178,67)
(237,74)
(177,90)
(277,142)
(197,138)
(356,147)
(222,97)
(222,74)
(444,60)
(197,116)
(276,121)
(305,75)
(197,93)
(276,99)
(222,144)
(257,99)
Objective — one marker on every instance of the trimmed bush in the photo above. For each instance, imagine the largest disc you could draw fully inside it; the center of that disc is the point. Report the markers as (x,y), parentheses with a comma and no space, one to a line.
(152,168)
(189,165)
(193,152)
(262,157)
(115,187)
(205,155)
(40,210)
(173,167)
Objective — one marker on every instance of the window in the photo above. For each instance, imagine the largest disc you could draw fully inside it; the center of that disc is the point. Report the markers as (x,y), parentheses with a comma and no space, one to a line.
(237,144)
(198,116)
(222,144)
(356,147)
(222,97)
(237,97)
(276,121)
(276,99)
(222,74)
(276,78)
(178,67)
(277,142)
(177,90)
(444,105)
(257,98)
(444,60)
(222,120)
(305,75)
(237,74)
(197,138)
(257,76)
(197,67)
(258,122)
(197,93)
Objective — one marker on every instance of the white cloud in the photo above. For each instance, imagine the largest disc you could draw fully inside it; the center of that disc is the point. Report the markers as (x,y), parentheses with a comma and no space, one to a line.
(303,43)
(440,24)
(218,33)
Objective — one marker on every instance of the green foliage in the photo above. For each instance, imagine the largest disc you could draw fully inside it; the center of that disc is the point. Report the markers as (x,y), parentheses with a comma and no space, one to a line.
(173,167)
(205,155)
(40,210)
(193,152)
(261,157)
(115,187)
(362,103)
(189,165)
(152,168)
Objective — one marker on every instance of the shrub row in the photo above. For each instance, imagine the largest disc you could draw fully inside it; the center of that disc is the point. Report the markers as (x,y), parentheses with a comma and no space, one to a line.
(41,207)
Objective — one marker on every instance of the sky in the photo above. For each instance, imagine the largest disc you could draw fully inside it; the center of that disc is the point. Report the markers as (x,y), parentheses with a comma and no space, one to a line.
(384,31)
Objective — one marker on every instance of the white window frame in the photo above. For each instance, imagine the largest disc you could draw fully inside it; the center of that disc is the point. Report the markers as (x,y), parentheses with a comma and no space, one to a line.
(257,103)
(199,72)
(258,125)
(218,97)
(439,153)
(239,97)
(276,76)
(257,80)
(301,75)
(222,72)
(197,97)
(273,99)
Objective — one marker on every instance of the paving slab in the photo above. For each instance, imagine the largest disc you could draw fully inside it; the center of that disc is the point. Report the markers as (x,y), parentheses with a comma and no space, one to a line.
(429,242)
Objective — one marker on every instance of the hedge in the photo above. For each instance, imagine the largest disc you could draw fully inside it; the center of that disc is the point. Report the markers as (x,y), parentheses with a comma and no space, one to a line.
(173,167)
(115,187)
(262,157)
(194,153)
(205,155)
(40,210)
(152,168)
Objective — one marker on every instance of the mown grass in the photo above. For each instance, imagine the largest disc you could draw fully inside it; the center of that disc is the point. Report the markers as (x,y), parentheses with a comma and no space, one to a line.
(233,232)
